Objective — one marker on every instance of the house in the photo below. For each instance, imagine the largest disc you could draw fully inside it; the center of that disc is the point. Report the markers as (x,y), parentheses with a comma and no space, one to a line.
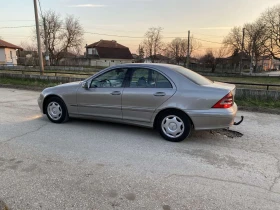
(234,61)
(27,58)
(158,58)
(108,53)
(268,63)
(8,53)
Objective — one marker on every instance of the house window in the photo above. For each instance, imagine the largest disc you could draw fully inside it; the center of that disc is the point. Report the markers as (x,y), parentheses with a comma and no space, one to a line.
(105,60)
(90,51)
(112,61)
(11,54)
(94,51)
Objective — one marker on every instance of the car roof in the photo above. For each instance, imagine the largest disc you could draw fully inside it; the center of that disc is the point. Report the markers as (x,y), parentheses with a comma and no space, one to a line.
(145,65)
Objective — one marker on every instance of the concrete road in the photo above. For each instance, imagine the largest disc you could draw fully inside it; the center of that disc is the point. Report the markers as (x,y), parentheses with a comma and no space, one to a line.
(92,165)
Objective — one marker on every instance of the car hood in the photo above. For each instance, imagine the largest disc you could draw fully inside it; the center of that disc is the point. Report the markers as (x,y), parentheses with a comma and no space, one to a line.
(62,89)
(70,84)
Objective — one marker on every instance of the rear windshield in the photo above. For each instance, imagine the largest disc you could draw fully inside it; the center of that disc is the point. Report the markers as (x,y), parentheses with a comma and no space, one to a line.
(191,75)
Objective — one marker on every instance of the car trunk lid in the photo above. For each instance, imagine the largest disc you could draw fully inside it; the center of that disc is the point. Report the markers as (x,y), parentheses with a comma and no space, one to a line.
(224,86)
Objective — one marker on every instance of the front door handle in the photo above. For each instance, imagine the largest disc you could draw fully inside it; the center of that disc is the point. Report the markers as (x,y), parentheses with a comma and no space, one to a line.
(116,93)
(159,94)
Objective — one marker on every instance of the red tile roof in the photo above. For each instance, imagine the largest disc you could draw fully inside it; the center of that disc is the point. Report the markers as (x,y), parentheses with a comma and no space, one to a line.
(111,49)
(4,44)
(107,44)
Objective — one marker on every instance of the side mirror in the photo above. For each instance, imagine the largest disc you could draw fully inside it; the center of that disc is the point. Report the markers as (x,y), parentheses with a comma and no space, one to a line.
(85,85)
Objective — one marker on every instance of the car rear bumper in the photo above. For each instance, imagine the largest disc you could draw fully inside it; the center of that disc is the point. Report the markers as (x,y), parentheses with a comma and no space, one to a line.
(213,118)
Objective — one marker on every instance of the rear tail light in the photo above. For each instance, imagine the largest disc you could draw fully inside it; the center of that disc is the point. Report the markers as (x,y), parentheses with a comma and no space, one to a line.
(225,103)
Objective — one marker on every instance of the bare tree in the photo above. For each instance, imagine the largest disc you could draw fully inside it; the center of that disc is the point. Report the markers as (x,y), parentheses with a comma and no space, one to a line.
(214,57)
(271,20)
(175,51)
(234,39)
(178,48)
(153,42)
(208,59)
(194,45)
(29,46)
(62,35)
(256,39)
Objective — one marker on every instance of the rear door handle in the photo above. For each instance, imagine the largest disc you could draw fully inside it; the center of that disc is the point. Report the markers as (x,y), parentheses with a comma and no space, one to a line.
(159,94)
(116,93)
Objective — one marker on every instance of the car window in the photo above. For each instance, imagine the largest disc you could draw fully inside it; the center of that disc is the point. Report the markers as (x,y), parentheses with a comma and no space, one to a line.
(162,82)
(191,75)
(113,78)
(147,78)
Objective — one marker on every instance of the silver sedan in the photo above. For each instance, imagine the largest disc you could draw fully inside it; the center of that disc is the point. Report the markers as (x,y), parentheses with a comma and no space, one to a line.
(172,99)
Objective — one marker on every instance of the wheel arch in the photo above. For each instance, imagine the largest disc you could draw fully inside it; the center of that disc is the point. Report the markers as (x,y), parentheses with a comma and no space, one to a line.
(167,110)
(50,96)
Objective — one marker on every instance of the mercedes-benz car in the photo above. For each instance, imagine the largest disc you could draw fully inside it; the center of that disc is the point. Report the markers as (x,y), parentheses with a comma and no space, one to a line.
(172,99)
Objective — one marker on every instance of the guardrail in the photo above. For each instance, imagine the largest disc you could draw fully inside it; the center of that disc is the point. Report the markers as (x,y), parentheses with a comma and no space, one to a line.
(253,84)
(51,72)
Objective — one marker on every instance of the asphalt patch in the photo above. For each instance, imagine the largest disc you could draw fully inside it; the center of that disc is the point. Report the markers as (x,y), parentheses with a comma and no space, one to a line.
(228,133)
(3,206)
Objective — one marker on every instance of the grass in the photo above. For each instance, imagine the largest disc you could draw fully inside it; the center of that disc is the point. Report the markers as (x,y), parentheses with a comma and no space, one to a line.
(270,104)
(27,82)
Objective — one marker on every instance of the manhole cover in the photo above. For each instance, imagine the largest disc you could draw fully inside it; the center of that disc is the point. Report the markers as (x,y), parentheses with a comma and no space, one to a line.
(3,206)
(228,133)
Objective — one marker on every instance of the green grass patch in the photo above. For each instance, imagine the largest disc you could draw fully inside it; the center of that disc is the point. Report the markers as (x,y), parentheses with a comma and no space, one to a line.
(27,82)
(271,104)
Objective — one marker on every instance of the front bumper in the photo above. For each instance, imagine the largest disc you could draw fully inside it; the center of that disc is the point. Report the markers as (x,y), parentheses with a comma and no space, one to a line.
(40,102)
(213,118)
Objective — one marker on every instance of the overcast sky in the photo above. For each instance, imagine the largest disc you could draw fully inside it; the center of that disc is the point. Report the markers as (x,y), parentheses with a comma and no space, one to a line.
(208,20)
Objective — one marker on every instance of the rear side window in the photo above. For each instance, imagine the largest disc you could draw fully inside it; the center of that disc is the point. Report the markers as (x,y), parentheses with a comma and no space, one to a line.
(191,75)
(147,78)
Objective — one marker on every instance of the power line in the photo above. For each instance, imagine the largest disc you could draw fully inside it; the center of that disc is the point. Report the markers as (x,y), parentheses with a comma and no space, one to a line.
(134,37)
(208,41)
(115,35)
(207,35)
(17,27)
(16,20)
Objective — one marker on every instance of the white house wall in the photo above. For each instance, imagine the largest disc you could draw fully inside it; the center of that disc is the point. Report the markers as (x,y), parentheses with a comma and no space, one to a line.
(109,62)
(2,56)
(11,60)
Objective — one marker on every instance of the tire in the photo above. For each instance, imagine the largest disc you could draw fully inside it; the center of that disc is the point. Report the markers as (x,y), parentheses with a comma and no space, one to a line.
(178,128)
(56,110)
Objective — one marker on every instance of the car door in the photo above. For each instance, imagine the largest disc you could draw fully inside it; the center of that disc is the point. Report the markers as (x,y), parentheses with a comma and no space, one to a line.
(103,97)
(145,91)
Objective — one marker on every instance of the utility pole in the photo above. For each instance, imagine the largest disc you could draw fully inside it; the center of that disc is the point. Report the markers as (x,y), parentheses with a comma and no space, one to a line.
(279,29)
(38,38)
(46,43)
(242,50)
(188,53)
(252,60)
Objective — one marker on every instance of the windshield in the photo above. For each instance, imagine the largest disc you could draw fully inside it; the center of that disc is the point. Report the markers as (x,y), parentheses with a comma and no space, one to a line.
(191,75)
